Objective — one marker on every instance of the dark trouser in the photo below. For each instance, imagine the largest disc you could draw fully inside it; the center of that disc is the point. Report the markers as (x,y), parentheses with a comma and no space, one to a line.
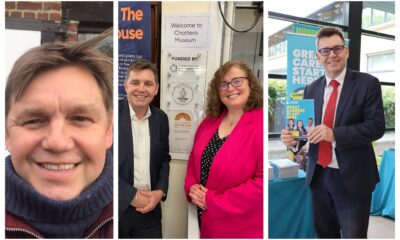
(336,213)
(133,224)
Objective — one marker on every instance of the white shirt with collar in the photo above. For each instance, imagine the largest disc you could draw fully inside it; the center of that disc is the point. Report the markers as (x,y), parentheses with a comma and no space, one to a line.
(327,93)
(141,150)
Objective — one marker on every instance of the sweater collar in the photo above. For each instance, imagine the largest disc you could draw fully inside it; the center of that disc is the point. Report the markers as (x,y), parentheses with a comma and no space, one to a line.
(65,219)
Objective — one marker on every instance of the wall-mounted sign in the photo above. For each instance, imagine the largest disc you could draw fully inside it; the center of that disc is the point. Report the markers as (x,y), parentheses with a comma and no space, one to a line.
(184,80)
(183,91)
(182,94)
(134,37)
(182,125)
(188,31)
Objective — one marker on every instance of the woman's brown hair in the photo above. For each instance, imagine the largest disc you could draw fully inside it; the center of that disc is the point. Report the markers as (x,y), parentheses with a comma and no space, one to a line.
(214,104)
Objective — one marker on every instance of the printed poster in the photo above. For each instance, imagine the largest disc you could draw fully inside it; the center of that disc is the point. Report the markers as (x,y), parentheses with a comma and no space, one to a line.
(182,125)
(300,118)
(302,64)
(134,37)
(184,77)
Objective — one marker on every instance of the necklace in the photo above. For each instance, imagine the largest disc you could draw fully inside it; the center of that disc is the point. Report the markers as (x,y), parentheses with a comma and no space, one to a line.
(232,121)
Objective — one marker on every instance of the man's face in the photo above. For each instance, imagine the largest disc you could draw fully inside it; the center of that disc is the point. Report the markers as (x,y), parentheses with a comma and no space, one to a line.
(310,122)
(333,63)
(141,87)
(58,132)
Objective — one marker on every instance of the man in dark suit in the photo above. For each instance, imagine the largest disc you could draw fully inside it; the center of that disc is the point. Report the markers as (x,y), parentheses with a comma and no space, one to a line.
(342,170)
(143,155)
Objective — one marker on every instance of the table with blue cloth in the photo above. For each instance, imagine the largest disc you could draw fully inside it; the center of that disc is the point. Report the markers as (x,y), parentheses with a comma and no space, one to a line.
(290,213)
(383,198)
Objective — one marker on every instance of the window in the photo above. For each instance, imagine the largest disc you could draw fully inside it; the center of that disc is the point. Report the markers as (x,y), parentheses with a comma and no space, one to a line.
(381,63)
(331,12)
(277,49)
(389,105)
(378,59)
(377,13)
(376,50)
(247,47)
(325,11)
(276,104)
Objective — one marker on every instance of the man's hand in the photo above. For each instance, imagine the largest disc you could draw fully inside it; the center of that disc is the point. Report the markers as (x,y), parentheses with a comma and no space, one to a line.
(287,138)
(139,200)
(198,195)
(321,133)
(154,198)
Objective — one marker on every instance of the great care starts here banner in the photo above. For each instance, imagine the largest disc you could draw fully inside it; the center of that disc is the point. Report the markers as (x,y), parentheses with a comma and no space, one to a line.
(302,64)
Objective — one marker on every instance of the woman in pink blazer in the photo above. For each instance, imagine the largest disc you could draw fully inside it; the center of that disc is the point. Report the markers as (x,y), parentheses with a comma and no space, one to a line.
(224,177)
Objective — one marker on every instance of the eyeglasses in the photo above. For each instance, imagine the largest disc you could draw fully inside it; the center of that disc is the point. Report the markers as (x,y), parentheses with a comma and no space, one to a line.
(236,82)
(336,49)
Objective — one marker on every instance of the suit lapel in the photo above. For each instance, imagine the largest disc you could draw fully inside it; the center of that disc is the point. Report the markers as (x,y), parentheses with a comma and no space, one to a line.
(153,127)
(204,137)
(319,100)
(344,95)
(127,136)
(229,153)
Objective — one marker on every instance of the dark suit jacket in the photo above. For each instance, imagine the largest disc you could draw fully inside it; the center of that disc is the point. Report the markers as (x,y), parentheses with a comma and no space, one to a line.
(359,121)
(159,155)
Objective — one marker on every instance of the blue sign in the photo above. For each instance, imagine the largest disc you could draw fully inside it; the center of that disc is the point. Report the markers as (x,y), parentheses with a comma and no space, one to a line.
(302,64)
(134,37)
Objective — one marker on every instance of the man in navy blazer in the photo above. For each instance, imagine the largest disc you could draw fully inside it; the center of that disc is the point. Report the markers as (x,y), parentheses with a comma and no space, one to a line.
(341,191)
(143,155)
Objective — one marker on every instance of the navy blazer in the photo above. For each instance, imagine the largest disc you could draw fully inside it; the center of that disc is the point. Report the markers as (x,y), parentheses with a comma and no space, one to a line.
(359,121)
(159,155)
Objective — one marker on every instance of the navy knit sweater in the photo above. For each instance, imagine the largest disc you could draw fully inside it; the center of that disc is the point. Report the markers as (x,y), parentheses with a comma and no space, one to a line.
(59,219)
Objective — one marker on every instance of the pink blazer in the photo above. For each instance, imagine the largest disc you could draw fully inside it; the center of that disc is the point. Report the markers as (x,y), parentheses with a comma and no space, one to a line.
(235,184)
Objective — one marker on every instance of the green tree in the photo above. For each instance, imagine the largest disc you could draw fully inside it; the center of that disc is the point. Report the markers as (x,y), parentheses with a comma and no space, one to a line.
(388,96)
(276,90)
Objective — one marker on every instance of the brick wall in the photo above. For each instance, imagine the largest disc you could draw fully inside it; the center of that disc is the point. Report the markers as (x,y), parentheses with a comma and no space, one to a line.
(47,11)
(72,31)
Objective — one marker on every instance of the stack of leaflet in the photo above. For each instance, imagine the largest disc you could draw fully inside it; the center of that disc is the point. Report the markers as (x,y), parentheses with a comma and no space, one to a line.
(285,168)
(270,172)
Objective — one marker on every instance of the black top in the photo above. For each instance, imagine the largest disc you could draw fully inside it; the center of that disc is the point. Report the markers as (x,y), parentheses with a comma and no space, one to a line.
(206,160)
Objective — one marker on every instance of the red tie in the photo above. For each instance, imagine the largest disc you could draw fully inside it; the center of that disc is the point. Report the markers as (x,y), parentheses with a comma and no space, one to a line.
(325,148)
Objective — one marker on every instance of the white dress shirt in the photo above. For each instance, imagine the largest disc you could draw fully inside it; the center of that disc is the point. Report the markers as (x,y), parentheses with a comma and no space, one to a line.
(327,93)
(141,150)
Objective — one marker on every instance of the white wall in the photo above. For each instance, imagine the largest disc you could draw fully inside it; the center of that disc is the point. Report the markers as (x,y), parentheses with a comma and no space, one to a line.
(175,215)
(18,42)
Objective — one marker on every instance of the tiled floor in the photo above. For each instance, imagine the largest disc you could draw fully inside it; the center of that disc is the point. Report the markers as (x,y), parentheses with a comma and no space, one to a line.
(380,227)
